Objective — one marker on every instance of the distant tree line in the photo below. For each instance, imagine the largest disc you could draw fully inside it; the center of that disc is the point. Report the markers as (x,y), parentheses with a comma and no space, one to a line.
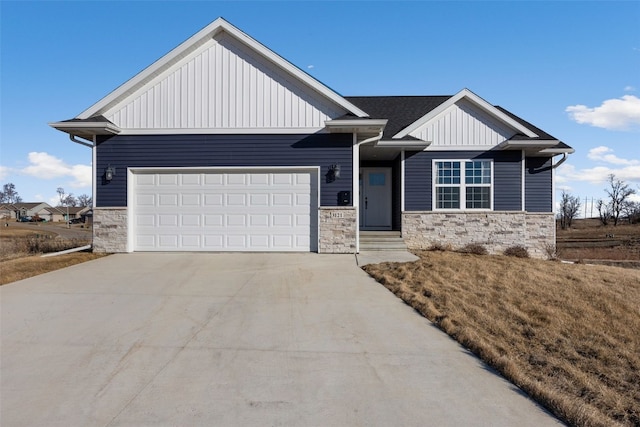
(615,207)
(9,194)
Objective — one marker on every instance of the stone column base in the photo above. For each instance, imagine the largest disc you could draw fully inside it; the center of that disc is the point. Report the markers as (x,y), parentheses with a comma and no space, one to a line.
(110,230)
(337,230)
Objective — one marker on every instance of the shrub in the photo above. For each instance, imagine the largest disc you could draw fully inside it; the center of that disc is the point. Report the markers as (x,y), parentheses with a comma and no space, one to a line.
(517,251)
(437,246)
(551,251)
(473,248)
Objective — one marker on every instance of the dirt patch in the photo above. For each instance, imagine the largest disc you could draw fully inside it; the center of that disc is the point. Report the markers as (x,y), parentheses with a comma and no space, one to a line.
(566,334)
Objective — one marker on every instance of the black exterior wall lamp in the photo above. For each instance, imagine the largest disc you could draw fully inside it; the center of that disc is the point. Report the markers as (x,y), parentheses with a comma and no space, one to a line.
(109,173)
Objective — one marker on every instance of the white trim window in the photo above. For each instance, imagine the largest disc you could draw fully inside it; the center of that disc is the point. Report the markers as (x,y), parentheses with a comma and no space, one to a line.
(462,184)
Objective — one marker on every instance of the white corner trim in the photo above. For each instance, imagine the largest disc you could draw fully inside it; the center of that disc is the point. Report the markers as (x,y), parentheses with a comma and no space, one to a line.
(197,40)
(475,99)
(402,181)
(523,159)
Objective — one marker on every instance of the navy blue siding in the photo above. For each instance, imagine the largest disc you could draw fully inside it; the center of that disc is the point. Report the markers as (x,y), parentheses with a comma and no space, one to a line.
(321,150)
(507,174)
(538,184)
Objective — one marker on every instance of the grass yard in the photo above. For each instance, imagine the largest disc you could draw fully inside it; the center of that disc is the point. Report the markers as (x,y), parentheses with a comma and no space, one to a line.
(22,268)
(20,250)
(568,335)
(589,241)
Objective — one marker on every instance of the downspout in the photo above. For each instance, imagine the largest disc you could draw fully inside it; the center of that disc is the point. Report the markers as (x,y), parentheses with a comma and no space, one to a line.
(91,145)
(561,161)
(77,141)
(356,180)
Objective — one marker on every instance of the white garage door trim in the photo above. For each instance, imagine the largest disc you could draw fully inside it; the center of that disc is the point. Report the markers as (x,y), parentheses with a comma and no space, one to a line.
(283,216)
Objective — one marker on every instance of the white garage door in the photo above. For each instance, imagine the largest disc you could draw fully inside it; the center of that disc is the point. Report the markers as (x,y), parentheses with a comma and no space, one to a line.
(225,210)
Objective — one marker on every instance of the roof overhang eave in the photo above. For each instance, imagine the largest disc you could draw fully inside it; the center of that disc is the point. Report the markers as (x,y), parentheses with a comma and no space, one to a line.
(86,130)
(525,144)
(413,145)
(546,147)
(360,126)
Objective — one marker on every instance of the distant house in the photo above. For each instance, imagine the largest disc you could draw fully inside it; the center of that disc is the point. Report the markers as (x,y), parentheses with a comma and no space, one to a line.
(19,210)
(223,145)
(54,214)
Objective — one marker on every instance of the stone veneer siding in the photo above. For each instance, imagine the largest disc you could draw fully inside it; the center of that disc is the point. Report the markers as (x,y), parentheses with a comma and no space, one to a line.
(495,230)
(110,230)
(337,230)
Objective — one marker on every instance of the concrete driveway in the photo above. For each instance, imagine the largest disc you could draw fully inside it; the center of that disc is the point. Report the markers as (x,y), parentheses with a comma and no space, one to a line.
(235,339)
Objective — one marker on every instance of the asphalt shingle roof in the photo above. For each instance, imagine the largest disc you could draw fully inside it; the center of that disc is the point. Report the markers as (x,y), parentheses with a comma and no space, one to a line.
(401,111)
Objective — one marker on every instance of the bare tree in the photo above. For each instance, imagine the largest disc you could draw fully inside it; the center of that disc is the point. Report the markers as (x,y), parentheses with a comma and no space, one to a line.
(70,201)
(9,194)
(618,193)
(632,212)
(569,207)
(61,195)
(84,200)
(604,212)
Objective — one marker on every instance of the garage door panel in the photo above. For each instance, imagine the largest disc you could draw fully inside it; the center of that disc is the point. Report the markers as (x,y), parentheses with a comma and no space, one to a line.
(190,241)
(168,200)
(188,179)
(170,179)
(225,211)
(168,241)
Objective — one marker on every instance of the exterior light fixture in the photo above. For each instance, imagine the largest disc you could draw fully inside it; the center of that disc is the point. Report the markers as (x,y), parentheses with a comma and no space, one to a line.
(109,172)
(335,171)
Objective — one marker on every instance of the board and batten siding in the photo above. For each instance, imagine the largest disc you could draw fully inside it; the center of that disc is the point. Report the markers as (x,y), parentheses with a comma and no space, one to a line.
(175,151)
(538,180)
(463,124)
(507,177)
(225,85)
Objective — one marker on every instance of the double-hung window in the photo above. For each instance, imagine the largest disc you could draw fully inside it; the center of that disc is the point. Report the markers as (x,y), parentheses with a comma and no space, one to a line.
(462,184)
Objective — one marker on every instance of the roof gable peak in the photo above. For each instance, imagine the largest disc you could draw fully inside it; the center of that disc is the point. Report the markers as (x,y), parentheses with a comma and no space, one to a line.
(477,101)
(191,45)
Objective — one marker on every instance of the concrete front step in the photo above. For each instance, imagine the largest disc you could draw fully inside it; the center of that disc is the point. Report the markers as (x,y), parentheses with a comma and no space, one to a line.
(381,241)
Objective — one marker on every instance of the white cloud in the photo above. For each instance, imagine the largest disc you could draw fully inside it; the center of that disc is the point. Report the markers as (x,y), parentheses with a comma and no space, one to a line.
(45,166)
(598,174)
(4,172)
(310,66)
(613,114)
(629,89)
(604,154)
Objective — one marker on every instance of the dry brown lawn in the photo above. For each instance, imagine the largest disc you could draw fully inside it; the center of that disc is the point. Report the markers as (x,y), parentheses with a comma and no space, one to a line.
(568,335)
(20,250)
(22,268)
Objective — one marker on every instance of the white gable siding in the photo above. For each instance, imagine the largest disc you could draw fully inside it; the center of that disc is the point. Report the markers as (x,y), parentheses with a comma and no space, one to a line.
(223,85)
(463,124)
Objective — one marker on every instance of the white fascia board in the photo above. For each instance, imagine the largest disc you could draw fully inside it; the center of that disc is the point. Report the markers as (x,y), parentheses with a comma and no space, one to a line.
(408,145)
(524,144)
(95,128)
(356,125)
(460,148)
(223,131)
(556,151)
(198,39)
(475,99)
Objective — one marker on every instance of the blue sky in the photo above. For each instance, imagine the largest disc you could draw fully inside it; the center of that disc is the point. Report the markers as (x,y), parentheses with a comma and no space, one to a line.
(571,68)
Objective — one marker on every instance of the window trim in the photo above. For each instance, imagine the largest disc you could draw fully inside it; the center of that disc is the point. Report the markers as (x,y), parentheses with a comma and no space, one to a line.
(462,186)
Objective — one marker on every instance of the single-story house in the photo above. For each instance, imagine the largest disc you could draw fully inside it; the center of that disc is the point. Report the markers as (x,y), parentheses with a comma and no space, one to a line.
(223,145)
(54,214)
(22,209)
